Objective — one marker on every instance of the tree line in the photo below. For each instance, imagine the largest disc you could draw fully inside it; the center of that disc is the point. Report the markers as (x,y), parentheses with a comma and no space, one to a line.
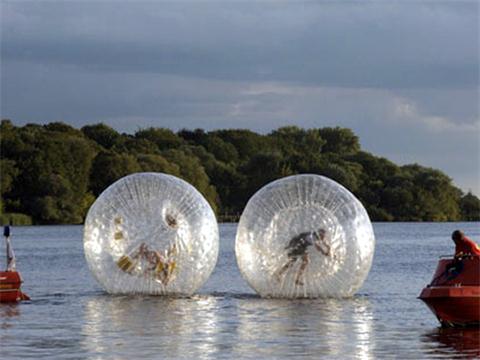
(51,174)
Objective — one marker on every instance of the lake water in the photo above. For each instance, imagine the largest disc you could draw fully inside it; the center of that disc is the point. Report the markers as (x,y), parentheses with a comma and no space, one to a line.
(70,316)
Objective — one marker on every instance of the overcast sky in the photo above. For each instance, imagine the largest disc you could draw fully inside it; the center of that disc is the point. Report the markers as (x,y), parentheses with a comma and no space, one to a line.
(403,75)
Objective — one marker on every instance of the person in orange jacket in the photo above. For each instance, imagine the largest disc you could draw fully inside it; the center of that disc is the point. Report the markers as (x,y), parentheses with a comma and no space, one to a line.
(463,245)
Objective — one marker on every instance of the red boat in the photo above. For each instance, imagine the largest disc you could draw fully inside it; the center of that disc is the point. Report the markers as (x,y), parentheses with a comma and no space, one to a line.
(454,293)
(10,282)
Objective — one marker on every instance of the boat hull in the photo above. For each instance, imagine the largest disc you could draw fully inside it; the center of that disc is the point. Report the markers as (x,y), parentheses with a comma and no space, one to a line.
(454,292)
(10,282)
(454,306)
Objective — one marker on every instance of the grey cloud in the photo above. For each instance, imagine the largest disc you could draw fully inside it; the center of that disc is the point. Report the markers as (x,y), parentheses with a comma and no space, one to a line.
(402,75)
(395,45)
(131,101)
(459,105)
(71,94)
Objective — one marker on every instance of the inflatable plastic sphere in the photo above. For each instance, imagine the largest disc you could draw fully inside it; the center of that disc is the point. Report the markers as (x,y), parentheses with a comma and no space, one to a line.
(151,233)
(304,236)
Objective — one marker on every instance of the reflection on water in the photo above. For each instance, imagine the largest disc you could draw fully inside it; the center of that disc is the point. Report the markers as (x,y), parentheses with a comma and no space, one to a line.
(149,326)
(246,326)
(458,343)
(306,327)
(212,326)
(8,313)
(70,316)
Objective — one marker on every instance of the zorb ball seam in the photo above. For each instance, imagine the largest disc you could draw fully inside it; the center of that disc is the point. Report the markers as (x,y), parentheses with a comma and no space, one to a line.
(304,236)
(151,233)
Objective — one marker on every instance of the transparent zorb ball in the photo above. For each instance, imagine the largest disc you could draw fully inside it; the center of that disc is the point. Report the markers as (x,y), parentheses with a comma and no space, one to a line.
(304,236)
(151,233)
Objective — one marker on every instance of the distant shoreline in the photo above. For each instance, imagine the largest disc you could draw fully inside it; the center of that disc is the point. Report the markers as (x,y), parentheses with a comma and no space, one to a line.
(236,222)
(53,173)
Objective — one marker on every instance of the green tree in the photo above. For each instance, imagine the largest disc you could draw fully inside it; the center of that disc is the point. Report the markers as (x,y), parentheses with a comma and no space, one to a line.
(13,142)
(246,142)
(229,184)
(163,138)
(108,167)
(9,172)
(227,181)
(421,194)
(221,149)
(53,172)
(102,134)
(293,141)
(157,163)
(192,171)
(134,146)
(56,203)
(262,169)
(470,207)
(344,172)
(61,127)
(440,199)
(194,137)
(53,180)
(403,193)
(340,141)
(376,173)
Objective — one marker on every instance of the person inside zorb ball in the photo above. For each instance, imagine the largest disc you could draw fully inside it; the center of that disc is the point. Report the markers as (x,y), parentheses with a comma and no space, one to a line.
(151,233)
(304,236)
